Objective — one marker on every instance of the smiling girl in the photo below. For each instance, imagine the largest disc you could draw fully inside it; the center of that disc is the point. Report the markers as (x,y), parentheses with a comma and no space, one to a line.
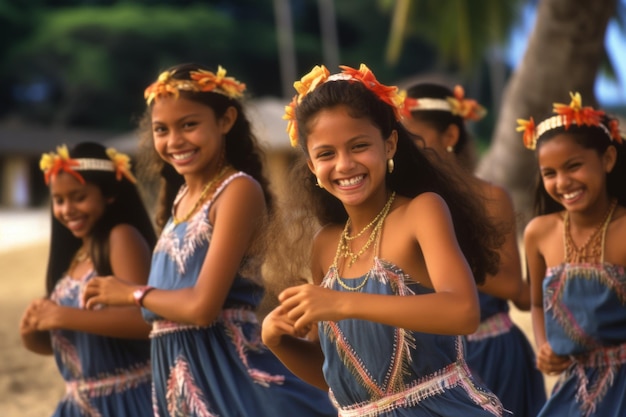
(391,287)
(576,258)
(99,227)
(205,281)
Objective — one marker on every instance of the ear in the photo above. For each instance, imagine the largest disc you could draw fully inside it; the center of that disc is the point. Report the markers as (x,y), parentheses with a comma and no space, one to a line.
(227,120)
(391,144)
(609,158)
(309,163)
(450,136)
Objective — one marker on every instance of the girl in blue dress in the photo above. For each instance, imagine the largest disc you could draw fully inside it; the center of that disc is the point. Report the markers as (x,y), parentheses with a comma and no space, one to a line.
(498,352)
(99,227)
(576,259)
(205,280)
(392,291)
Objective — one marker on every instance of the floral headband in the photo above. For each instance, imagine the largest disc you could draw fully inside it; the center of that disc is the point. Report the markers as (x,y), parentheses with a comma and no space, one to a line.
(458,105)
(52,163)
(566,115)
(320,74)
(201,81)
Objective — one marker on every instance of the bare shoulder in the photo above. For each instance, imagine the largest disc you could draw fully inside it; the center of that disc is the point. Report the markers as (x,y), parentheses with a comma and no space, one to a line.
(426,205)
(244,188)
(327,236)
(541,227)
(123,234)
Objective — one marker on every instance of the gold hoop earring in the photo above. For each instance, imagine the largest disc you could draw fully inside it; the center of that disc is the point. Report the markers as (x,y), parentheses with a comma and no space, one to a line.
(390,165)
(449,148)
(318,183)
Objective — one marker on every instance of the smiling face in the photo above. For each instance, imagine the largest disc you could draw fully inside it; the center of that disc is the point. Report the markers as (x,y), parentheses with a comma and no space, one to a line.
(574,176)
(76,206)
(348,155)
(188,135)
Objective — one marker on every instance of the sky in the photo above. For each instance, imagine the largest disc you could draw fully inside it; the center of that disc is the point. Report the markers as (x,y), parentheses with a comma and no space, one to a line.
(609,92)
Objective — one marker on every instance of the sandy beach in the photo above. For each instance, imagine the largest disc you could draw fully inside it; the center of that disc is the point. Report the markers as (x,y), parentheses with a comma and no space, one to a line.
(30,385)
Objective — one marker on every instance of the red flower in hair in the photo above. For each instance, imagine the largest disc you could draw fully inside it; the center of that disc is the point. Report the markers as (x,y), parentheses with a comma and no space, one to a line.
(574,111)
(52,163)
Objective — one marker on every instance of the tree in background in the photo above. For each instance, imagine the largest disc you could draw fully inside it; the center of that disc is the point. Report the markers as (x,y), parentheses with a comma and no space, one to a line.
(564,53)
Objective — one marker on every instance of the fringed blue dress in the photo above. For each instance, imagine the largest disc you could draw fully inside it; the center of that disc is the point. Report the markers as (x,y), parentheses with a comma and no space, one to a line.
(500,356)
(104,376)
(585,318)
(223,369)
(378,370)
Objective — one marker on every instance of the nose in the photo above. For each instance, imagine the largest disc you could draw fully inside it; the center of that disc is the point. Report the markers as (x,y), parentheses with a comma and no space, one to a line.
(344,162)
(66,208)
(562,181)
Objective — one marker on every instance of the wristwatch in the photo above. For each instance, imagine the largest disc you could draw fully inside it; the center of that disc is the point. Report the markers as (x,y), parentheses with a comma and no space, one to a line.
(141,292)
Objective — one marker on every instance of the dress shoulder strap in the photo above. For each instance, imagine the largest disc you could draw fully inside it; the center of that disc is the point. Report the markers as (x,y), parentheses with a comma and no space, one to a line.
(223,186)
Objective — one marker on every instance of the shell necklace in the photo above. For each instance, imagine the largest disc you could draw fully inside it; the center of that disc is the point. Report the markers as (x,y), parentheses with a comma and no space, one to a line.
(345,251)
(203,195)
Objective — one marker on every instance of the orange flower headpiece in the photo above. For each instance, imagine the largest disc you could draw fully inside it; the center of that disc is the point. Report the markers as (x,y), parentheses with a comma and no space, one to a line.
(566,115)
(458,105)
(320,74)
(201,81)
(52,163)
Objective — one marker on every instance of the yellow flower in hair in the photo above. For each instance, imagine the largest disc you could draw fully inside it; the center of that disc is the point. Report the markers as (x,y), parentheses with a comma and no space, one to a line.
(575,112)
(310,81)
(208,81)
(528,127)
(292,124)
(52,163)
(466,108)
(121,162)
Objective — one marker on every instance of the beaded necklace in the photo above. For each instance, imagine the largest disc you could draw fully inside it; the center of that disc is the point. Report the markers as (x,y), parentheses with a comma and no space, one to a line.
(593,248)
(344,250)
(79,257)
(203,195)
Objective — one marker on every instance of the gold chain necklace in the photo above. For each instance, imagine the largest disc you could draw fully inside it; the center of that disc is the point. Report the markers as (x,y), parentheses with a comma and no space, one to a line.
(79,257)
(344,246)
(203,195)
(592,249)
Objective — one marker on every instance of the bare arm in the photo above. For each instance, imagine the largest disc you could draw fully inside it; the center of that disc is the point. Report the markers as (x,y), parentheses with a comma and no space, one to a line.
(547,360)
(238,212)
(452,309)
(130,260)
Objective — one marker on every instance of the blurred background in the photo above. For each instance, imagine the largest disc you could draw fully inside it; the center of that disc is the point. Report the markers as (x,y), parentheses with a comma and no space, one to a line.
(75,70)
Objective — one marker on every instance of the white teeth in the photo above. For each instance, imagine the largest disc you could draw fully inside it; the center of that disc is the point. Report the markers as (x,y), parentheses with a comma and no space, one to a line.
(569,196)
(181,156)
(351,181)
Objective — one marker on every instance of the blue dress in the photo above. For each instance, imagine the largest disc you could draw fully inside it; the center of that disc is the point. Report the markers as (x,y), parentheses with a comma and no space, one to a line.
(501,357)
(378,370)
(104,376)
(585,318)
(222,369)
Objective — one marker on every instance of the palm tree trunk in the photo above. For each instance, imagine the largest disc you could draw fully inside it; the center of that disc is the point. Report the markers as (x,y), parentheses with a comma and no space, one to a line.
(564,53)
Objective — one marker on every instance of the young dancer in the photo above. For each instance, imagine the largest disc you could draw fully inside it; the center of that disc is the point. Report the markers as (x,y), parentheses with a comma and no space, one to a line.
(392,288)
(498,352)
(205,282)
(99,227)
(576,257)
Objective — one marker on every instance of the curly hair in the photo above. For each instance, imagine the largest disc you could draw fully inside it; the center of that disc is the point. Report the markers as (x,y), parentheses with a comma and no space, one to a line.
(308,207)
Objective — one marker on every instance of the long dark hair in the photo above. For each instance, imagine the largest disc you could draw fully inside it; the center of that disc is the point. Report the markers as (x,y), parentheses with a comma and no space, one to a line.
(126,207)
(414,174)
(242,149)
(589,137)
